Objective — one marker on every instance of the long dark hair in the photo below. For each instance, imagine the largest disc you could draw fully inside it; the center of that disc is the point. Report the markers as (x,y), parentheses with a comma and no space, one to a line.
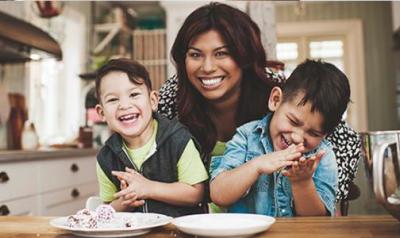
(242,37)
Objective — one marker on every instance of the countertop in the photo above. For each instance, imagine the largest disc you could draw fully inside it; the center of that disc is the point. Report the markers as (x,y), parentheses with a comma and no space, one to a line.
(299,227)
(47,153)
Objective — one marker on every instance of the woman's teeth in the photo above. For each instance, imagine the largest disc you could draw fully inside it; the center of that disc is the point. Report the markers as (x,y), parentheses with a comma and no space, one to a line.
(212,81)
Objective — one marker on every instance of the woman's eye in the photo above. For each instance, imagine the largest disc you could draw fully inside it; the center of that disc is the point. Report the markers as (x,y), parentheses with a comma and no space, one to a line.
(221,53)
(194,54)
(133,95)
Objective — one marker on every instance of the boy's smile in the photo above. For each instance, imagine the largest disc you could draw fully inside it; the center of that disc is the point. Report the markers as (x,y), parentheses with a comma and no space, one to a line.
(293,123)
(127,108)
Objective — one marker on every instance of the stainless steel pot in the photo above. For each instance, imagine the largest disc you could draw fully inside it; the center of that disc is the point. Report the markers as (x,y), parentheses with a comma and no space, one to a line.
(381,154)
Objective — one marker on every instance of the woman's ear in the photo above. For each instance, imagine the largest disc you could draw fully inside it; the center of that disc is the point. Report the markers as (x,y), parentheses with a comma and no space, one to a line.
(275,99)
(100,112)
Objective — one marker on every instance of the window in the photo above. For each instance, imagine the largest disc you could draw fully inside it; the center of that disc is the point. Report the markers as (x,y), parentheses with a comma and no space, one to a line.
(55,104)
(292,51)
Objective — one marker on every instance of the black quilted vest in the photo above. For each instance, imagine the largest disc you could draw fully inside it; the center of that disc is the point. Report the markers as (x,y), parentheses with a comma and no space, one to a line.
(171,139)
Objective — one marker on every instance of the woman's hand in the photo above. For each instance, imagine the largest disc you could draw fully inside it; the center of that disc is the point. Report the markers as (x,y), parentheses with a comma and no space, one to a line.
(303,169)
(271,162)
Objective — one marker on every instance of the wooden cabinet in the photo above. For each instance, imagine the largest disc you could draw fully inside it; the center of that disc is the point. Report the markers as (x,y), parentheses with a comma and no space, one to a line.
(48,187)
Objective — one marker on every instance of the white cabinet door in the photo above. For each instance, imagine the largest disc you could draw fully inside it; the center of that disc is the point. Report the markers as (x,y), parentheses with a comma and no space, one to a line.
(19,207)
(67,201)
(64,173)
(18,180)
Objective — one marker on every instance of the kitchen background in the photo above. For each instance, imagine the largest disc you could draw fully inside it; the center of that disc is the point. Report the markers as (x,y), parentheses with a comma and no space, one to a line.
(361,38)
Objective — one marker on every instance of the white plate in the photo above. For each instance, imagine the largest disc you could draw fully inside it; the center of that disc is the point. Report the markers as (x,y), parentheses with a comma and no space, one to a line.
(223,224)
(147,221)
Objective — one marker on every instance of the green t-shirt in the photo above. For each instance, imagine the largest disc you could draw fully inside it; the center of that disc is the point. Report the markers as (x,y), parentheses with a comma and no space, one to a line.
(219,148)
(190,167)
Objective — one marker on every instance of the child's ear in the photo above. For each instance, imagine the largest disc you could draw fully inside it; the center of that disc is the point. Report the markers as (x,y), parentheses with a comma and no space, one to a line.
(275,99)
(100,112)
(154,100)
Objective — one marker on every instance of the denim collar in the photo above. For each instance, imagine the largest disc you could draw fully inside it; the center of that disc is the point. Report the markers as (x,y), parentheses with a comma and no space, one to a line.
(262,130)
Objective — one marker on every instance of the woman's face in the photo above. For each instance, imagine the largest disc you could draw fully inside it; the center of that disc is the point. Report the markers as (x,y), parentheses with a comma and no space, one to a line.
(211,68)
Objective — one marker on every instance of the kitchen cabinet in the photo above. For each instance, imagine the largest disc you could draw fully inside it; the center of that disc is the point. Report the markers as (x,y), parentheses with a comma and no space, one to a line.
(49,186)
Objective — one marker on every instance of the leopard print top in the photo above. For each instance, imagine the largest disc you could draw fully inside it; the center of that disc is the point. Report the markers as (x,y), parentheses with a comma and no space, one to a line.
(346,142)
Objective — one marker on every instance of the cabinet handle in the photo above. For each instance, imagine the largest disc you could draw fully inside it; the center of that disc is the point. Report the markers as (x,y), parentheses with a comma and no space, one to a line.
(4,177)
(74,168)
(75,193)
(4,211)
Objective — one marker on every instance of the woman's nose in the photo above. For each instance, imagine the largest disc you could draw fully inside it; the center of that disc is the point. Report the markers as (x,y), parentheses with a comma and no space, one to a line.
(208,65)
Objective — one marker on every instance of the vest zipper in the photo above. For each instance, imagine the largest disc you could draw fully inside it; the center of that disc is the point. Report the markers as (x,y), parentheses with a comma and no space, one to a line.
(145,209)
(140,170)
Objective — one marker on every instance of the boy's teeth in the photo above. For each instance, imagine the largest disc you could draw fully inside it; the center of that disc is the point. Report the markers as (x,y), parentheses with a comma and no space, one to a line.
(128,117)
(211,81)
(284,139)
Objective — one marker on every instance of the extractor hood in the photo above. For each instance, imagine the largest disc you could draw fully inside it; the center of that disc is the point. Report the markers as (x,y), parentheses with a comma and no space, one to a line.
(19,39)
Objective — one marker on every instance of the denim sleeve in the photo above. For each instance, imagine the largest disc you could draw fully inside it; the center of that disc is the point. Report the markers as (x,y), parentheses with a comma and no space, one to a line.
(326,180)
(234,155)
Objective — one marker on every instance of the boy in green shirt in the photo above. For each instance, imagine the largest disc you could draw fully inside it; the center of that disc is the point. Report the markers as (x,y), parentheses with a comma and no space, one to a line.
(149,164)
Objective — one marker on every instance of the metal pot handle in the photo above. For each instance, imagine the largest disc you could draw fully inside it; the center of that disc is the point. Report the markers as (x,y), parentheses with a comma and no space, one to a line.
(378,161)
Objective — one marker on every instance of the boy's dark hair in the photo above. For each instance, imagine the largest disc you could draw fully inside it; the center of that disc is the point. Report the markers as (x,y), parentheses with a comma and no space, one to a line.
(136,72)
(324,86)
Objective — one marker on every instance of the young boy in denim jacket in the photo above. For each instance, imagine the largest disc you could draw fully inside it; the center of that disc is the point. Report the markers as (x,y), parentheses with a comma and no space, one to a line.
(281,165)
(149,164)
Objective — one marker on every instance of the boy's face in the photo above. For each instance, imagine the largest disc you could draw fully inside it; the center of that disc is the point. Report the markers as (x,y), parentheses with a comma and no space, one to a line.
(292,123)
(126,107)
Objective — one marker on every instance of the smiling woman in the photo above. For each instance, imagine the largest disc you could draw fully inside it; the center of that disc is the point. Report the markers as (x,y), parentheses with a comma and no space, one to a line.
(220,72)
(209,51)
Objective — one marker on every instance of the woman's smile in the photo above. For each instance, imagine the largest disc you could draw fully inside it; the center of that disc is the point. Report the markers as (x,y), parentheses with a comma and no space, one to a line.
(211,82)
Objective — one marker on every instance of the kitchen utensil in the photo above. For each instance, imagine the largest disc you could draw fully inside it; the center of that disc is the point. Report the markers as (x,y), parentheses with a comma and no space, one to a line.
(381,154)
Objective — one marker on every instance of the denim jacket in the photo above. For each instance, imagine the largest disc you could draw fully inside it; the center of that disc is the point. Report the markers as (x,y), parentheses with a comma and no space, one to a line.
(271,194)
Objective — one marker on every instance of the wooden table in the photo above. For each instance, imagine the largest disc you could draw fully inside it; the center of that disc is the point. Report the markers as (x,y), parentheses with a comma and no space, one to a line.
(352,226)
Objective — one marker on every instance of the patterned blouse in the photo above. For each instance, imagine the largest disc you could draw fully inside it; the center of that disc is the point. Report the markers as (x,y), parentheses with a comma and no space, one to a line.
(346,142)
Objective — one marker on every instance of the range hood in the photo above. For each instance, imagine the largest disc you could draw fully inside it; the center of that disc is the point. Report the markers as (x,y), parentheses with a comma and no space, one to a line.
(19,39)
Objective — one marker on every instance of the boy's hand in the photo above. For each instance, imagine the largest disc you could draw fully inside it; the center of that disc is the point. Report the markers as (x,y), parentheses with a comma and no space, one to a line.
(134,187)
(272,162)
(129,199)
(303,169)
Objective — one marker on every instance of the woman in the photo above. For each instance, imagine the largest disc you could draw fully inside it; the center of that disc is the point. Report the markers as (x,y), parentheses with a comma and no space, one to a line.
(222,82)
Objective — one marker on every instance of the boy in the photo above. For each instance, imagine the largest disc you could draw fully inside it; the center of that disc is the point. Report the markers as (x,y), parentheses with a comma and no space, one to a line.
(152,160)
(282,165)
